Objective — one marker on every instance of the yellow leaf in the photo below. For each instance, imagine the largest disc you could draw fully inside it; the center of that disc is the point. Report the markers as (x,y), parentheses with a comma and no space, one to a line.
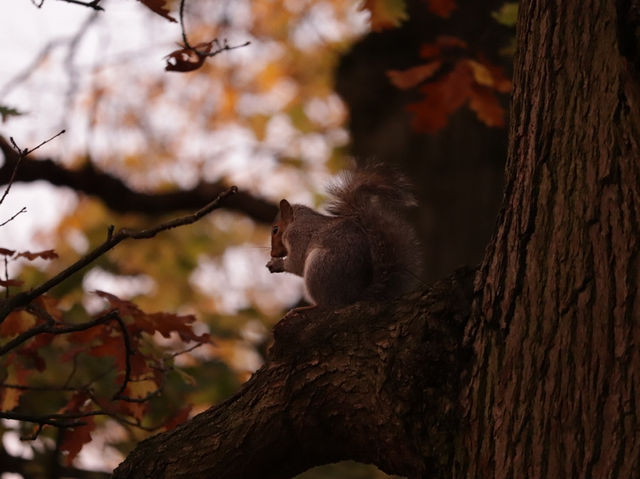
(481,73)
(386,13)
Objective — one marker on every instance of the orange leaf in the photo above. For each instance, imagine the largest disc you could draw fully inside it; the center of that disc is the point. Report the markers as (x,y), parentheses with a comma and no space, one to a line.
(158,6)
(11,396)
(442,8)
(48,254)
(441,99)
(15,323)
(485,104)
(75,438)
(405,79)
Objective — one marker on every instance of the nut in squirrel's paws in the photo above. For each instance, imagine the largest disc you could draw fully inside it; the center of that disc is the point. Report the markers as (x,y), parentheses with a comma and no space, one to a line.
(275,265)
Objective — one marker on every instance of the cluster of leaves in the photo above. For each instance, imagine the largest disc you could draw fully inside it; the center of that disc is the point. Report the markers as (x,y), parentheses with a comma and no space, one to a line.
(450,79)
(108,364)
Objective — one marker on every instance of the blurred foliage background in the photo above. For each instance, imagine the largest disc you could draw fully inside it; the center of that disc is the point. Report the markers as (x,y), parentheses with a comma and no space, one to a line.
(421,84)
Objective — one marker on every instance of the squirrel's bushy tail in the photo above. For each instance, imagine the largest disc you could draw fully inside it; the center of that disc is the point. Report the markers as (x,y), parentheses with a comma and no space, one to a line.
(379,197)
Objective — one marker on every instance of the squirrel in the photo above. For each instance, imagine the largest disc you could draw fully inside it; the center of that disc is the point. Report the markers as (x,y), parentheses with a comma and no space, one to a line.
(363,249)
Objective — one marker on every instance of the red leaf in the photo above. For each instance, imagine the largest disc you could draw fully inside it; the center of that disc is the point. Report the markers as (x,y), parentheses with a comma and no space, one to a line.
(442,8)
(11,282)
(164,323)
(159,7)
(75,438)
(181,416)
(47,254)
(405,79)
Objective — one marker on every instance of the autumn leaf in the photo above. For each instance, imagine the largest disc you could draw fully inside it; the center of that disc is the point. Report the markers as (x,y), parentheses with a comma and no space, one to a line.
(405,79)
(163,323)
(6,252)
(158,6)
(184,60)
(442,8)
(11,396)
(75,438)
(47,254)
(11,282)
(485,104)
(441,99)
(15,323)
(181,416)
(386,14)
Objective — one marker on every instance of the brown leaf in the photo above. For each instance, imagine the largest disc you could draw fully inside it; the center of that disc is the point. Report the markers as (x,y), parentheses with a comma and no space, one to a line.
(485,104)
(47,254)
(6,252)
(159,7)
(405,79)
(184,60)
(17,322)
(11,282)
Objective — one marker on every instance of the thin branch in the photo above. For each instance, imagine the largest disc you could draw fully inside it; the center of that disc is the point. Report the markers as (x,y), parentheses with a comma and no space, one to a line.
(22,154)
(95,4)
(24,298)
(219,47)
(22,210)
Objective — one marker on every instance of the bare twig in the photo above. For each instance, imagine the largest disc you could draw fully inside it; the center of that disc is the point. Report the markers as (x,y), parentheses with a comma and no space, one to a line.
(95,4)
(22,210)
(21,155)
(219,47)
(24,298)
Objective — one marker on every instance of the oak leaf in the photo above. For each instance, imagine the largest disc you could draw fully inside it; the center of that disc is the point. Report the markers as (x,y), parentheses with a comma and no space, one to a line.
(405,79)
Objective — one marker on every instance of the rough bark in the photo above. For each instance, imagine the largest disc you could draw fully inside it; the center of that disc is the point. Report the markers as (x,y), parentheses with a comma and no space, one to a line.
(554,388)
(372,382)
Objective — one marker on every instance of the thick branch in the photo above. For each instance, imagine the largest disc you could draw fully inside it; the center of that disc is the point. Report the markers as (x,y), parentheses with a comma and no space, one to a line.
(372,382)
(120,198)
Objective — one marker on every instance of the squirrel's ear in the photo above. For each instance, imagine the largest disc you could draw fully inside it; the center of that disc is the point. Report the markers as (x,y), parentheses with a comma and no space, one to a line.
(286,212)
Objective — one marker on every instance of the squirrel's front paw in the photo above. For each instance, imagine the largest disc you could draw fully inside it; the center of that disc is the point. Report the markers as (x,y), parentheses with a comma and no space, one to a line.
(276,265)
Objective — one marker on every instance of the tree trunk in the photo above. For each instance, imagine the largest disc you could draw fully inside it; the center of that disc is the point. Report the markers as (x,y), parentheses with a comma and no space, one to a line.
(549,387)
(553,390)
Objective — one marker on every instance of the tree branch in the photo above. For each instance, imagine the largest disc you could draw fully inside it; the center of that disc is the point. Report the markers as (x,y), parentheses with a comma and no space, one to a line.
(332,382)
(24,298)
(120,198)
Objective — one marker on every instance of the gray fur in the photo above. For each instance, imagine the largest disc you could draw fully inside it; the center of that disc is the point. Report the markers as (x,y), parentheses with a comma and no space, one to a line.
(364,248)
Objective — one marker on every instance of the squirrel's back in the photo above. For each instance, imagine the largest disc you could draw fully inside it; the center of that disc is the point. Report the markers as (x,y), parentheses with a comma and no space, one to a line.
(378,198)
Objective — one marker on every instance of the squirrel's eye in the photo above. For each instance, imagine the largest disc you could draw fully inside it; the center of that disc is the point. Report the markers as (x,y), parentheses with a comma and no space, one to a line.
(274,230)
